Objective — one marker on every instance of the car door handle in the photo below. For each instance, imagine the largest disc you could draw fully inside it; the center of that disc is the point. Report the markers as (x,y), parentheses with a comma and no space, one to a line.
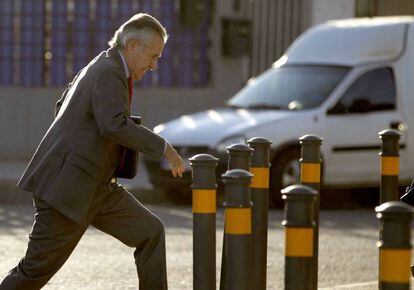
(395,125)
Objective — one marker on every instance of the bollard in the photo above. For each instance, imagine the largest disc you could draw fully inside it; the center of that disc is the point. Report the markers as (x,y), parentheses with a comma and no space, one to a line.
(311,176)
(259,189)
(239,158)
(238,230)
(299,242)
(390,159)
(394,245)
(204,221)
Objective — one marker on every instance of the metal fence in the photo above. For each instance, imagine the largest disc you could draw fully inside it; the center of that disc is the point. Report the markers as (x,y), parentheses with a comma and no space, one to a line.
(46,42)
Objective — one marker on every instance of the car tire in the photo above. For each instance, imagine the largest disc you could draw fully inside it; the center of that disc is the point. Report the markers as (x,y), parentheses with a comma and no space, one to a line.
(284,171)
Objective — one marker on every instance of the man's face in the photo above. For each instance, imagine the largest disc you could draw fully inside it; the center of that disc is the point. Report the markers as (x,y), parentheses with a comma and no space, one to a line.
(141,57)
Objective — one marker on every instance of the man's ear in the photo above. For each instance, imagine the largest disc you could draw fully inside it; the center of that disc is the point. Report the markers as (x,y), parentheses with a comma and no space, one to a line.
(132,44)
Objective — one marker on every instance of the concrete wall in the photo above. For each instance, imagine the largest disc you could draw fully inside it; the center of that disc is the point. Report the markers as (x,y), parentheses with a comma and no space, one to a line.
(25,114)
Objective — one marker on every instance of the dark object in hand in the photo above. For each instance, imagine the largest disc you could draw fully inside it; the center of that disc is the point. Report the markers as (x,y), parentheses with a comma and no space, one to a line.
(129,166)
(408,196)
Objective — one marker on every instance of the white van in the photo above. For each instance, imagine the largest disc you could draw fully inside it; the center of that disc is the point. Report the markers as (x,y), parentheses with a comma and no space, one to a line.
(344,81)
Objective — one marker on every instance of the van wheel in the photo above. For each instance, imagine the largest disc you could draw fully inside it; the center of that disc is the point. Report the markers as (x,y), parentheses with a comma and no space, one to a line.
(285,171)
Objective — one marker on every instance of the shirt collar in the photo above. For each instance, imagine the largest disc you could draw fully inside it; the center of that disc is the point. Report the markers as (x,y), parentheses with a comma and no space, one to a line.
(124,63)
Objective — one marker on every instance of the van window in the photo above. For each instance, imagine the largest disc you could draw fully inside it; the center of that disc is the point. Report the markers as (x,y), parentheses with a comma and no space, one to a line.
(373,91)
(290,88)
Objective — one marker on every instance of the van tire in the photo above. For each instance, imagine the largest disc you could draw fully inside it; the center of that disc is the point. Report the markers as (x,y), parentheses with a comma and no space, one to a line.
(285,163)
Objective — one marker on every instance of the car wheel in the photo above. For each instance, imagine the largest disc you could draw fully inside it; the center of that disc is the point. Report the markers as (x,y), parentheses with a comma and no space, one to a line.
(285,171)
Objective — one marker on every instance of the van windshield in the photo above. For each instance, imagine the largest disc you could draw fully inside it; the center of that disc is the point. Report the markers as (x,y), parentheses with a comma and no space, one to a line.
(289,88)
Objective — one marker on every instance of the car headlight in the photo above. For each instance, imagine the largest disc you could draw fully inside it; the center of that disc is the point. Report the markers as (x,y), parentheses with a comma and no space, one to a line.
(222,146)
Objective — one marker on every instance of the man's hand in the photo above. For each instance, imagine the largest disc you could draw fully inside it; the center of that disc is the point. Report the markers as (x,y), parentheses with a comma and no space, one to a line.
(175,161)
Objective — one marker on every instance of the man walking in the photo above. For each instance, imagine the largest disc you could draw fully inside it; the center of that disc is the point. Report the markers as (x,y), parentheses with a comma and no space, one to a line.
(72,173)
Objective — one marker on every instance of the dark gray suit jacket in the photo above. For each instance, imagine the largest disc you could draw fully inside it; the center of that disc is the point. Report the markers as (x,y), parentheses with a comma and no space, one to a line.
(81,149)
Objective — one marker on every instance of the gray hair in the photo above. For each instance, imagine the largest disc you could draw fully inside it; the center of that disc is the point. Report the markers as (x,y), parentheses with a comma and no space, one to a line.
(142,27)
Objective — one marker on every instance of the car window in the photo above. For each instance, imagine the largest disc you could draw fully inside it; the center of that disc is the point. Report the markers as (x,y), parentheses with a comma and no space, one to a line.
(372,91)
(290,88)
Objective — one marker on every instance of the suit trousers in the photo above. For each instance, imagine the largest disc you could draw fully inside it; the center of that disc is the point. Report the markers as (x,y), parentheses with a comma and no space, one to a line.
(53,238)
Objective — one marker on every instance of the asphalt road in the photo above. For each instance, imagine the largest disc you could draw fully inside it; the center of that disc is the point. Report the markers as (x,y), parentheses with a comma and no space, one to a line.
(348,252)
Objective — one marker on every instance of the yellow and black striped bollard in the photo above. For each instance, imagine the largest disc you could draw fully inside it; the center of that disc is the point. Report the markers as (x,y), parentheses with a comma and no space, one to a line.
(238,230)
(394,245)
(239,158)
(390,163)
(310,175)
(204,221)
(299,242)
(259,189)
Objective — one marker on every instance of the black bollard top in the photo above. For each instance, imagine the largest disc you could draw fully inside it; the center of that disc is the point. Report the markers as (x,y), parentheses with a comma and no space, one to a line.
(237,192)
(236,176)
(203,161)
(239,147)
(389,134)
(299,210)
(299,191)
(389,146)
(204,171)
(310,151)
(311,139)
(261,154)
(395,207)
(239,156)
(203,158)
(258,141)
